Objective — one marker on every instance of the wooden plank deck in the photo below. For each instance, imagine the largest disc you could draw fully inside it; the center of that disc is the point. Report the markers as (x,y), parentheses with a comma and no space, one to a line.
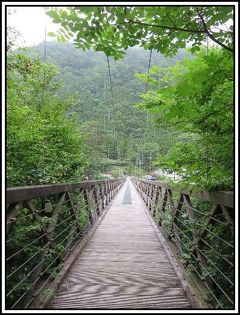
(124,265)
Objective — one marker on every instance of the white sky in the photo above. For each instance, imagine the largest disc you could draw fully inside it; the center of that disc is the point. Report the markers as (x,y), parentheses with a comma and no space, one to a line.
(30,22)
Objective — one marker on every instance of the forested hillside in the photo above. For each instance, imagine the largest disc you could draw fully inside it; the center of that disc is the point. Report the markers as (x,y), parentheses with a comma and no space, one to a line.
(117,130)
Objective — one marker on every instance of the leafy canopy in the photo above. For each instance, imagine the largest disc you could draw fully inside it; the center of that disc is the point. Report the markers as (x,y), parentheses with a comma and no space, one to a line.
(165,28)
(196,97)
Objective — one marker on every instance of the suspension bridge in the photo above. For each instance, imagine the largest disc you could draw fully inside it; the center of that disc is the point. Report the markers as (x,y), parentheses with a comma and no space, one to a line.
(119,244)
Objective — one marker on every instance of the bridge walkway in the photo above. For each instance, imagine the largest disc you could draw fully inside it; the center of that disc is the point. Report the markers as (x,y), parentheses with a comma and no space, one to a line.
(124,265)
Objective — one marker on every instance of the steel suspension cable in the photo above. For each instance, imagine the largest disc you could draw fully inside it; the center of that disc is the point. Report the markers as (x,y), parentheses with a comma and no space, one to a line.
(48,243)
(149,65)
(202,254)
(200,276)
(110,80)
(44,234)
(209,289)
(201,265)
(57,267)
(40,274)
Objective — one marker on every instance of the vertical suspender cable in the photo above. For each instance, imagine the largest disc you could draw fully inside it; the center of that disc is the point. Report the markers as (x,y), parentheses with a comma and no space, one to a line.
(110,80)
(111,89)
(207,132)
(149,65)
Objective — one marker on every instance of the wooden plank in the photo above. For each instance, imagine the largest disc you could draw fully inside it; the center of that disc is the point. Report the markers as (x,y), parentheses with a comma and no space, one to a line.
(123,266)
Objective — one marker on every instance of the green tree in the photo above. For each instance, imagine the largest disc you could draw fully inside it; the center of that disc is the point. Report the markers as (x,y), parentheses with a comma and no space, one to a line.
(164,28)
(196,97)
(44,144)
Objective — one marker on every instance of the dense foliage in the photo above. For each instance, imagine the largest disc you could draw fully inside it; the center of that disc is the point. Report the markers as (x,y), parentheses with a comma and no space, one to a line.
(164,28)
(196,96)
(44,144)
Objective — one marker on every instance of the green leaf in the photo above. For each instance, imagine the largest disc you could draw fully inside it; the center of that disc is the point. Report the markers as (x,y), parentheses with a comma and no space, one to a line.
(53,14)
(51,34)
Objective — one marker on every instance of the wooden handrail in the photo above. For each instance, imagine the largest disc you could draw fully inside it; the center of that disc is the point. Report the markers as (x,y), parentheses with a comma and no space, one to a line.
(17,194)
(225,198)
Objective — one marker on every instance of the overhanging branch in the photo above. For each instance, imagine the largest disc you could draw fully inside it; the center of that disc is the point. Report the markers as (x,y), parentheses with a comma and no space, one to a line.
(196,31)
(210,35)
(166,27)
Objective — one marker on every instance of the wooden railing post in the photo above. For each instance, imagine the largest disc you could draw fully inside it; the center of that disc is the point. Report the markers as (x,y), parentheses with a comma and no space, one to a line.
(85,196)
(95,194)
(155,201)
(102,193)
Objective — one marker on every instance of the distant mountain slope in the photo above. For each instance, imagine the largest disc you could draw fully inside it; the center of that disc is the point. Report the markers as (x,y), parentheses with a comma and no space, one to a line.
(86,73)
(119,130)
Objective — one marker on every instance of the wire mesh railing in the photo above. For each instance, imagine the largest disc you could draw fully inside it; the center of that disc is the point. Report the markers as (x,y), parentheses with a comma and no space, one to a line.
(43,227)
(200,229)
